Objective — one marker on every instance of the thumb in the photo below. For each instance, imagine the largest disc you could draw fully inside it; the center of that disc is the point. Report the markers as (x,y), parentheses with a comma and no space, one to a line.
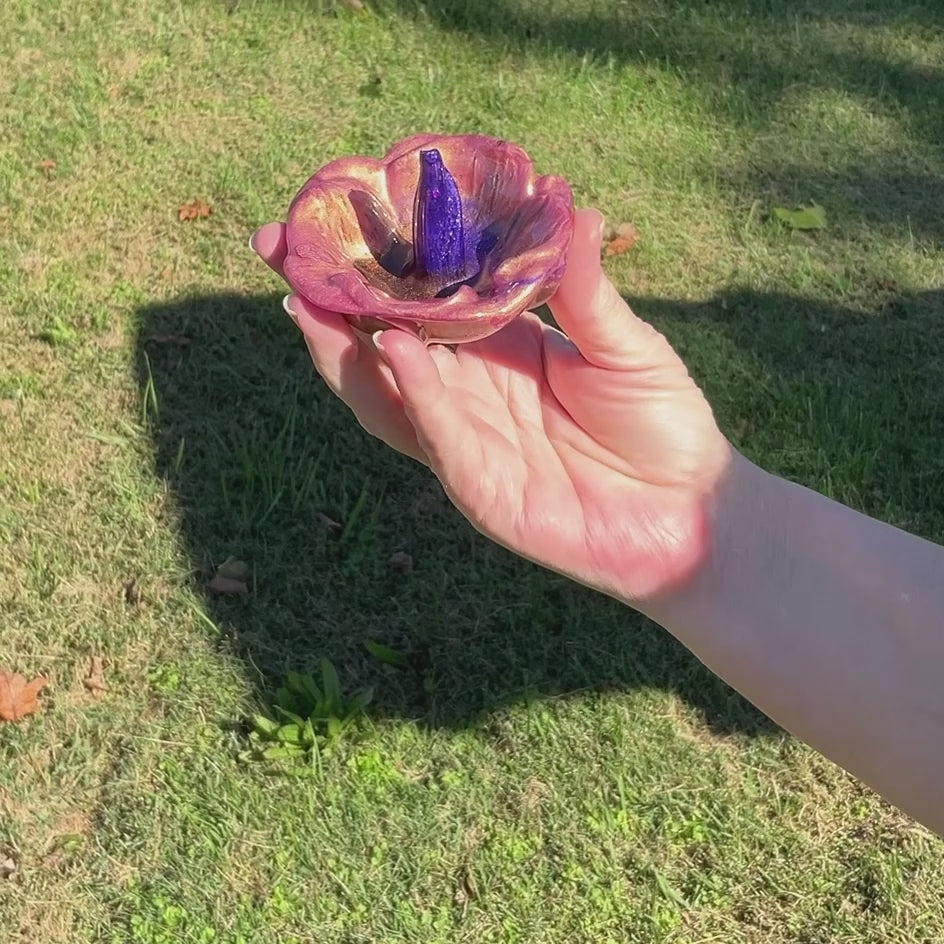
(592,313)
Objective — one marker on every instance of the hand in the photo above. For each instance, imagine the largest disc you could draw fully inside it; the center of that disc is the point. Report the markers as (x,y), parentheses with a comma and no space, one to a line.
(591,452)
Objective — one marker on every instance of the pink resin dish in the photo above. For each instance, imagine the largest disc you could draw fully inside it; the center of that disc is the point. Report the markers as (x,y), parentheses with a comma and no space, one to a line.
(450,237)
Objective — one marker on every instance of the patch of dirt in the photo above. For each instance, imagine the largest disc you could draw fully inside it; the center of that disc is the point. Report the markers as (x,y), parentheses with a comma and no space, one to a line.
(32,264)
(532,796)
(690,726)
(123,67)
(66,837)
(27,56)
(243,876)
(40,923)
(10,809)
(8,413)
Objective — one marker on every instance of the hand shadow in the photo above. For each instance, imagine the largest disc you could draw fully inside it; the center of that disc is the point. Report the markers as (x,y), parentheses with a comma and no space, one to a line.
(350,542)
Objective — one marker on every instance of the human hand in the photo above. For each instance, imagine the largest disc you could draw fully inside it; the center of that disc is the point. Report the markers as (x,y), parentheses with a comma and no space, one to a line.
(588,450)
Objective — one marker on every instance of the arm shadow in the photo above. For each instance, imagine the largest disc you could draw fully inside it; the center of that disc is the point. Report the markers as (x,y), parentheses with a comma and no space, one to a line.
(350,542)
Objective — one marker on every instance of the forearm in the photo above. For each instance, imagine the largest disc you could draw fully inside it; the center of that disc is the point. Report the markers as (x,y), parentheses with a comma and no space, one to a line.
(830,622)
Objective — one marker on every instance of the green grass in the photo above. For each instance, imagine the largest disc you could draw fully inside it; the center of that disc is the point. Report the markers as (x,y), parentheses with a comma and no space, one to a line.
(548,767)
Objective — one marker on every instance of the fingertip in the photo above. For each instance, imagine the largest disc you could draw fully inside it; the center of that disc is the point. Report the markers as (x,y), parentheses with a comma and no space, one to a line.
(588,307)
(410,361)
(398,344)
(319,325)
(289,304)
(589,223)
(583,259)
(269,243)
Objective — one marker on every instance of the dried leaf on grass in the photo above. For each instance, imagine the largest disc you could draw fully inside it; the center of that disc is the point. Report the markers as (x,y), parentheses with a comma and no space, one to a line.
(132,592)
(231,578)
(619,239)
(167,339)
(328,523)
(193,210)
(226,586)
(19,697)
(234,569)
(7,864)
(401,561)
(94,679)
(465,890)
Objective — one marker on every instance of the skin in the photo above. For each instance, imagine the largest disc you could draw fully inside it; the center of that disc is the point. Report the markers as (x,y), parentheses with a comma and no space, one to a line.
(589,450)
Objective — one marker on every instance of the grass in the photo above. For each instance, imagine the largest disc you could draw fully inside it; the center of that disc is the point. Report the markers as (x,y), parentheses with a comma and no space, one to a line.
(547,767)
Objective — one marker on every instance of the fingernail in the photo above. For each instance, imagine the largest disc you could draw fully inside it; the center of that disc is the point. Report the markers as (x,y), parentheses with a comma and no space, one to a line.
(252,243)
(288,310)
(377,340)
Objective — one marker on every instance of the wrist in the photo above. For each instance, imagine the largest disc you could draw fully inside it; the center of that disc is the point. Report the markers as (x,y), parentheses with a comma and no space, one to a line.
(728,531)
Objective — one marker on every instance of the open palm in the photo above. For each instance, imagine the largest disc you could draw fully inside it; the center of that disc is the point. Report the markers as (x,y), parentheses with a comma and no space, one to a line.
(588,450)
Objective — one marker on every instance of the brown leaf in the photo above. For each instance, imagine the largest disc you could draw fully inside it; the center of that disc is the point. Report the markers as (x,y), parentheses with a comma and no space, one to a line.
(7,863)
(194,210)
(401,561)
(328,523)
(231,578)
(620,239)
(167,339)
(618,246)
(18,698)
(94,679)
(47,165)
(227,586)
(132,592)
(465,890)
(234,569)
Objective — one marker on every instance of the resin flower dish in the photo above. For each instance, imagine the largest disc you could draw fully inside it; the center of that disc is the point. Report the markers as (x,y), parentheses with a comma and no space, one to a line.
(450,237)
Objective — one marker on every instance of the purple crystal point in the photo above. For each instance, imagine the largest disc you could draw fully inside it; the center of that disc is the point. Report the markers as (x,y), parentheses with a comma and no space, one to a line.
(438,231)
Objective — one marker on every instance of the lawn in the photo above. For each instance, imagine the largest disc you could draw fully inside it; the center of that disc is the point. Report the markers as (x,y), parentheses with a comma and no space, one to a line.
(544,765)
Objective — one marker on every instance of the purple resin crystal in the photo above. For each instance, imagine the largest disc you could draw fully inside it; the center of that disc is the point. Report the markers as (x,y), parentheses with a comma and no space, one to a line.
(438,231)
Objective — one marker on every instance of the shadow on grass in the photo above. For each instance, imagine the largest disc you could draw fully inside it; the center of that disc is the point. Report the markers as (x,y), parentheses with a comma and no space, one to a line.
(744,60)
(849,401)
(752,51)
(259,454)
